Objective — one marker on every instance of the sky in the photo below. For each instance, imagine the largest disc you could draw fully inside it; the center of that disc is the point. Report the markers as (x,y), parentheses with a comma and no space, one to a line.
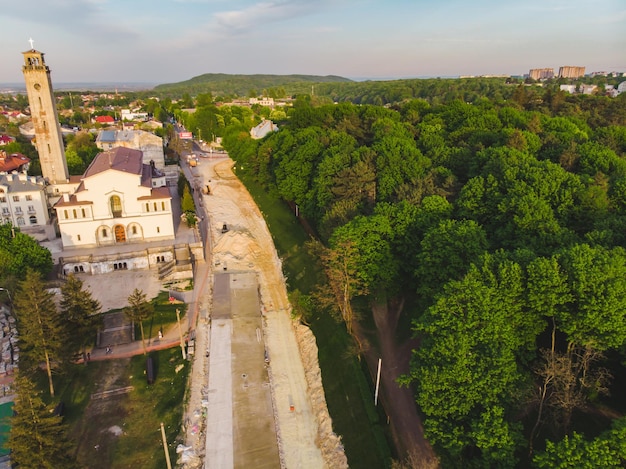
(165,41)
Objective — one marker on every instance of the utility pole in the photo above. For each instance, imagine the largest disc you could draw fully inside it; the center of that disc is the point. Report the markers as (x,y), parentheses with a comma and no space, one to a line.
(180,332)
(167,453)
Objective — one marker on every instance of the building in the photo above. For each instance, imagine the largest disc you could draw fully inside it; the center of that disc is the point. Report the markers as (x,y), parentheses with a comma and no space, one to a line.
(128,115)
(23,201)
(149,144)
(43,111)
(5,140)
(263,101)
(104,120)
(116,203)
(569,71)
(13,162)
(541,73)
(264,128)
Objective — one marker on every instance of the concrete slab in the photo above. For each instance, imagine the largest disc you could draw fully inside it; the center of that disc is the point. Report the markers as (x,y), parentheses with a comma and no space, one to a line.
(240,384)
(219,419)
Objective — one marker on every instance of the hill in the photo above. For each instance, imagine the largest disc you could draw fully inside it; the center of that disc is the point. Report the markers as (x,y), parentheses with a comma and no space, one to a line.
(220,84)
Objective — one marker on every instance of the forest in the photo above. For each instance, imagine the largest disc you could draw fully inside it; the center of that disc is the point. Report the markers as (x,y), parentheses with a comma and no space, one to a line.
(495,226)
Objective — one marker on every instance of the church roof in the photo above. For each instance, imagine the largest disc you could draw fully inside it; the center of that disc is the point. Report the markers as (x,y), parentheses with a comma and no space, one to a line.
(122,159)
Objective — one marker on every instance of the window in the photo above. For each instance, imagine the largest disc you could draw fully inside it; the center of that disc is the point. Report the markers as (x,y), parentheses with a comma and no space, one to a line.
(33,220)
(163,206)
(155,207)
(18,209)
(65,214)
(147,207)
(134,230)
(74,213)
(104,233)
(82,211)
(20,221)
(116,206)
(31,208)
(29,197)
(78,236)
(3,200)
(16,198)
(5,211)
(158,229)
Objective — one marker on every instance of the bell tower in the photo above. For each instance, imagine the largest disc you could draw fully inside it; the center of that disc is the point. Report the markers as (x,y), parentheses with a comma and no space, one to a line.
(43,110)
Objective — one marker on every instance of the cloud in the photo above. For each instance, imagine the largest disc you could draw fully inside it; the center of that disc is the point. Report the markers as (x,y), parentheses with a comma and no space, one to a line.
(263,13)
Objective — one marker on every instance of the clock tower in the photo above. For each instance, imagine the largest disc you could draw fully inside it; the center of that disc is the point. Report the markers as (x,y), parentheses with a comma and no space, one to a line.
(43,110)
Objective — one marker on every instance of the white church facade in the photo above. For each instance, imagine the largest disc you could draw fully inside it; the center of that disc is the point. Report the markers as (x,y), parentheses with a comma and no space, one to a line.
(117,201)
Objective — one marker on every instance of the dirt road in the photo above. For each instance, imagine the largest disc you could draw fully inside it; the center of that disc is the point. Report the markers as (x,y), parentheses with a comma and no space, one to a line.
(303,425)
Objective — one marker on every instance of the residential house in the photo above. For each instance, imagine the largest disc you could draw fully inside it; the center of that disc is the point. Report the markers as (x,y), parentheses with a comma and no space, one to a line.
(13,162)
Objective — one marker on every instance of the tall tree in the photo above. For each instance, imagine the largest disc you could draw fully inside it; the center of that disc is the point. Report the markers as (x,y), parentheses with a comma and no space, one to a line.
(138,310)
(343,282)
(80,312)
(38,438)
(39,325)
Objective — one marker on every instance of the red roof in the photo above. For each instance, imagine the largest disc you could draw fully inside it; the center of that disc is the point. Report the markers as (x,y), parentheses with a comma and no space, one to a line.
(4,139)
(104,120)
(12,162)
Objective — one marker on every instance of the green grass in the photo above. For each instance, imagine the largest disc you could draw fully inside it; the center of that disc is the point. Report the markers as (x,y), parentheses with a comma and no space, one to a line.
(148,406)
(138,413)
(348,394)
(163,317)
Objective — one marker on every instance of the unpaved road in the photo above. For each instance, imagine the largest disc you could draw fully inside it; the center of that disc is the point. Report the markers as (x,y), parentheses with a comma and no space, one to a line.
(305,437)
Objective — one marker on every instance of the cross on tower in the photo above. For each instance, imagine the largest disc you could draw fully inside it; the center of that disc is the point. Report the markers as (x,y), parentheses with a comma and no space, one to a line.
(31,43)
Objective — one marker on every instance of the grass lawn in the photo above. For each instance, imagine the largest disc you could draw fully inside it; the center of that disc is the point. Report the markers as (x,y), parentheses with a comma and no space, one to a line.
(164,316)
(137,413)
(346,386)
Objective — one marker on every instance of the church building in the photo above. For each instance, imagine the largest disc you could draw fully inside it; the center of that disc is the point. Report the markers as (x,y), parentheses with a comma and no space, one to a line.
(117,201)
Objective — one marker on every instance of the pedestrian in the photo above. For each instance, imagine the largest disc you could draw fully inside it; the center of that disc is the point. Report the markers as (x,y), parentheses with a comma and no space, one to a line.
(88,356)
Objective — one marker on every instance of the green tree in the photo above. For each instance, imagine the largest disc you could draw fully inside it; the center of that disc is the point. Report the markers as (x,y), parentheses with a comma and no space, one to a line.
(466,368)
(39,325)
(577,453)
(343,281)
(38,438)
(80,311)
(187,204)
(138,310)
(19,251)
(446,253)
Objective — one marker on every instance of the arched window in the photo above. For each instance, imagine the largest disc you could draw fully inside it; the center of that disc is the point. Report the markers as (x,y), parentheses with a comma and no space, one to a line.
(116,206)
(33,220)
(20,221)
(134,229)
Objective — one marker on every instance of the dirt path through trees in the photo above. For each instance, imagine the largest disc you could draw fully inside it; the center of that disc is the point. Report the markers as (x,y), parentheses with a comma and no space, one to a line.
(399,402)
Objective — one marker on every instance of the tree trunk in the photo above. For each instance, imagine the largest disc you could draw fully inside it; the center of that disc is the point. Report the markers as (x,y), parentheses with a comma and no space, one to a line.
(49,372)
